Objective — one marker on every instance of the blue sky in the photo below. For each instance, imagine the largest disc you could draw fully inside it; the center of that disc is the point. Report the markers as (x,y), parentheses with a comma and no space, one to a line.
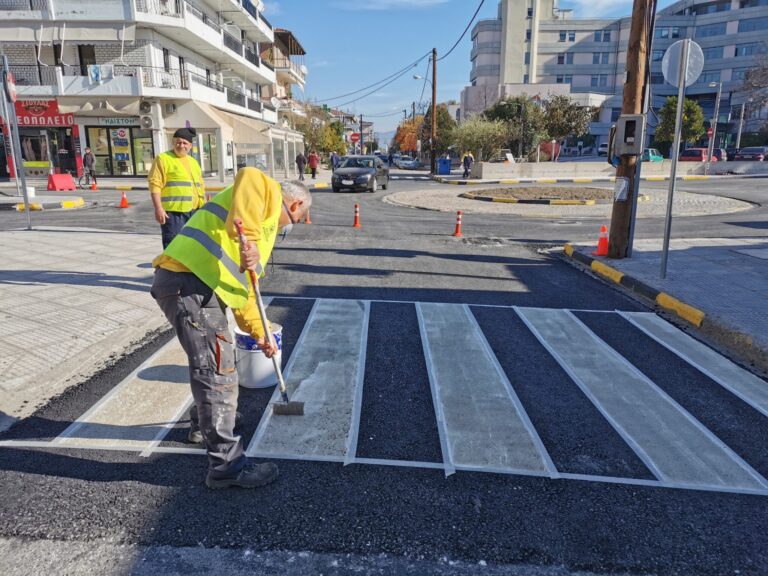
(353,43)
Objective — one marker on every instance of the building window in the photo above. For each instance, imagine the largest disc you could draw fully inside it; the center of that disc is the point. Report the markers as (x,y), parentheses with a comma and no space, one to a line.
(753,3)
(738,74)
(525,79)
(564,79)
(565,58)
(600,57)
(657,55)
(748,49)
(166,60)
(709,30)
(670,32)
(527,34)
(563,35)
(530,12)
(710,8)
(571,36)
(657,78)
(713,53)
(527,57)
(602,35)
(599,81)
(753,24)
(708,77)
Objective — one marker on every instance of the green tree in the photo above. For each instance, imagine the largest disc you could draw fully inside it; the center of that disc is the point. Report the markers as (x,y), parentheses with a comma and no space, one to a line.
(484,138)
(693,121)
(333,138)
(445,126)
(526,124)
(566,118)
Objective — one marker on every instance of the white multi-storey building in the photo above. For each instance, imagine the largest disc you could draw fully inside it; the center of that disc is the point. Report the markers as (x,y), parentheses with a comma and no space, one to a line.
(120,76)
(533,47)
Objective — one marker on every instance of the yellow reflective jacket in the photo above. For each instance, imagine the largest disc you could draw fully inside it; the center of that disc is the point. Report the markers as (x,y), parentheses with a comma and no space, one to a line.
(183,185)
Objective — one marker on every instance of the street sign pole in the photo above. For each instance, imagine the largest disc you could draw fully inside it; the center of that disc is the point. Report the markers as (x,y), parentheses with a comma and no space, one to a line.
(13,130)
(681,82)
(9,143)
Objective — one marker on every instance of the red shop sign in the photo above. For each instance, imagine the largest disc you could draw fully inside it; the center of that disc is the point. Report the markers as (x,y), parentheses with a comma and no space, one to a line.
(41,113)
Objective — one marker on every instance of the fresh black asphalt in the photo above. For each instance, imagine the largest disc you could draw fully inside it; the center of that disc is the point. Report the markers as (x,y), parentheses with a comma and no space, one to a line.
(416,514)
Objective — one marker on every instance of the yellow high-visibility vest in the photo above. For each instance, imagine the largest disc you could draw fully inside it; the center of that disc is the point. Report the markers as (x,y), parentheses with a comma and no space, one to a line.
(204,247)
(180,194)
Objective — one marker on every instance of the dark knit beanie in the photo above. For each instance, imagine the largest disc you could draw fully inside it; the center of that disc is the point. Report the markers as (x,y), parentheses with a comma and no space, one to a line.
(187,134)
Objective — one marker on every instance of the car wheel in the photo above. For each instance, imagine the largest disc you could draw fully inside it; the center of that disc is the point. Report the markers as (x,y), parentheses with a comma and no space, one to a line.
(385,185)
(374,185)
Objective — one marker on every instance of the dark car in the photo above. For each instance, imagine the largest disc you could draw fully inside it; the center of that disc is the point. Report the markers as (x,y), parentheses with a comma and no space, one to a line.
(721,154)
(757,153)
(731,153)
(361,173)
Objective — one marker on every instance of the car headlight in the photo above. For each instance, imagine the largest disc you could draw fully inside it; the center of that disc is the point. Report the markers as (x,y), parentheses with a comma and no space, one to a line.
(364,178)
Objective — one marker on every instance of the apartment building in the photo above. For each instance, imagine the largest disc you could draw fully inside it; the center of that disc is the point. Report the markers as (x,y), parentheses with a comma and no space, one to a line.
(536,48)
(120,76)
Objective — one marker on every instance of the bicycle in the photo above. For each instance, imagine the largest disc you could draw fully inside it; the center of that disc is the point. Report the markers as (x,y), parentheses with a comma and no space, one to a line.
(86,180)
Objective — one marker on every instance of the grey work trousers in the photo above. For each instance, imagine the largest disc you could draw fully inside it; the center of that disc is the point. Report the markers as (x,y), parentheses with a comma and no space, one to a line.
(200,321)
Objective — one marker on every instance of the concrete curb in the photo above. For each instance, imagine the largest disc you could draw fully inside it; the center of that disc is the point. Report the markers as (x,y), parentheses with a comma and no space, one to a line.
(471,196)
(559,180)
(684,311)
(38,206)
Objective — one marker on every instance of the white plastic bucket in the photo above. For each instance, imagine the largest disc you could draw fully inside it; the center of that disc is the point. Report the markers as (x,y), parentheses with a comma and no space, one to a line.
(254,369)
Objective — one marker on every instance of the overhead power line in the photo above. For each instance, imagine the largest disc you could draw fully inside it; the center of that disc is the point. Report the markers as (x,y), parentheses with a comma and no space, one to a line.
(400,75)
(463,33)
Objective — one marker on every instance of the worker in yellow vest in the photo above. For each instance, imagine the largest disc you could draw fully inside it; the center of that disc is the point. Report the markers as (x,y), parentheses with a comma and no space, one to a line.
(198,276)
(176,184)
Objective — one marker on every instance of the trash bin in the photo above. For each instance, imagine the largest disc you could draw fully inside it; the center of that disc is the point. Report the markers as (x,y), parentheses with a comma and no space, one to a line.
(443,166)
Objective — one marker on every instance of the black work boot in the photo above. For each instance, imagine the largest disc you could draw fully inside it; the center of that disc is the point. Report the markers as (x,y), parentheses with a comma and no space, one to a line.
(195,436)
(250,477)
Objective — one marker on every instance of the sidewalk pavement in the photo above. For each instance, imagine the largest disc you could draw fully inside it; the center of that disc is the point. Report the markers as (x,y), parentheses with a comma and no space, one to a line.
(719,285)
(69,300)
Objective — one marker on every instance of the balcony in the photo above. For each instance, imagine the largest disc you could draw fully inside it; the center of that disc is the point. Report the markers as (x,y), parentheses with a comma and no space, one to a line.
(23,5)
(245,15)
(287,68)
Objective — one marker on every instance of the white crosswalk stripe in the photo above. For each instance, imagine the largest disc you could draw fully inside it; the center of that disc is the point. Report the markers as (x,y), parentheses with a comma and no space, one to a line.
(482,422)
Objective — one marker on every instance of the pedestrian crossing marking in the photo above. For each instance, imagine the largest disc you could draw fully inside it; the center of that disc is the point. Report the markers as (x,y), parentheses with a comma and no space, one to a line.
(479,415)
(327,367)
(670,441)
(325,373)
(142,408)
(736,380)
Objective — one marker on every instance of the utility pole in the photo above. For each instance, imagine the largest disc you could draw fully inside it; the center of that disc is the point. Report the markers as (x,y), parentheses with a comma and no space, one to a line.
(713,124)
(413,111)
(632,103)
(741,126)
(433,143)
(362,139)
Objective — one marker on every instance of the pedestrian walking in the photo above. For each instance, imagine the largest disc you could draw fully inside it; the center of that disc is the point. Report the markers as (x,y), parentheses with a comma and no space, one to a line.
(301,164)
(313,160)
(202,273)
(89,164)
(466,161)
(390,159)
(176,185)
(335,161)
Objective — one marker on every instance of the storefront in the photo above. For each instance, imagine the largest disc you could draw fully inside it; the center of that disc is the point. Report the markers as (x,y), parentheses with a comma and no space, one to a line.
(50,140)
(120,145)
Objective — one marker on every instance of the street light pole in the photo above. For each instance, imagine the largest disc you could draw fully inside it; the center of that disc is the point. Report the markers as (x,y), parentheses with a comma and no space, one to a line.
(741,125)
(714,121)
(433,151)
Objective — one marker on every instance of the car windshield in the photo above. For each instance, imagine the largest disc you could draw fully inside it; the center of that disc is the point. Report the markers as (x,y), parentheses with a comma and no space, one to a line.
(357,163)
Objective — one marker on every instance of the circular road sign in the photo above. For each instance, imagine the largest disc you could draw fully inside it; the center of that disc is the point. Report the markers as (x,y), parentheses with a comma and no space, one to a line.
(710,132)
(670,64)
(355,137)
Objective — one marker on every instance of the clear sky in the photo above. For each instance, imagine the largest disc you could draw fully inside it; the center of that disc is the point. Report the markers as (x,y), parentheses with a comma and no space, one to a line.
(351,44)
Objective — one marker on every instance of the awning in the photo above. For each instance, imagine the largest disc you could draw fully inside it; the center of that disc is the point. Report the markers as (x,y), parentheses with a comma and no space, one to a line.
(99,106)
(247,130)
(92,32)
(200,116)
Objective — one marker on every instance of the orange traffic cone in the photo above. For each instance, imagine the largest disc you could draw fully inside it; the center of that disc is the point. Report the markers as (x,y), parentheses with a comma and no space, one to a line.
(307,219)
(124,201)
(457,231)
(602,243)
(357,217)
(93,187)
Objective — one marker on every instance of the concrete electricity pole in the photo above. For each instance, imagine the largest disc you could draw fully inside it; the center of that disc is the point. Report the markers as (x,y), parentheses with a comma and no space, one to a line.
(632,103)
(433,143)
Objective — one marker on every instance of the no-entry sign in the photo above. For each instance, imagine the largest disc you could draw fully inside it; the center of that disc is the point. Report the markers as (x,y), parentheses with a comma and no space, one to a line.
(355,137)
(710,132)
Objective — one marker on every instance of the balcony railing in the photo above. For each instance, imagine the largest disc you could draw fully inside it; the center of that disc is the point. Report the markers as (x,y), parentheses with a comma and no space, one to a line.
(23,5)
(287,63)
(254,105)
(203,81)
(203,17)
(161,78)
(233,43)
(261,16)
(34,75)
(251,56)
(160,7)
(235,97)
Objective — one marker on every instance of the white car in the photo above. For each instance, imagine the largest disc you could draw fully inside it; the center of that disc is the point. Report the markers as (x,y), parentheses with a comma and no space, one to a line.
(602,150)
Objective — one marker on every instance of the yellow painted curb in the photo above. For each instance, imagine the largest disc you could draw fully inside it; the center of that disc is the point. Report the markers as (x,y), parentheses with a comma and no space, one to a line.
(32,207)
(583,180)
(686,312)
(568,249)
(571,202)
(123,187)
(607,271)
(695,177)
(655,178)
(509,181)
(505,200)
(70,204)
(321,185)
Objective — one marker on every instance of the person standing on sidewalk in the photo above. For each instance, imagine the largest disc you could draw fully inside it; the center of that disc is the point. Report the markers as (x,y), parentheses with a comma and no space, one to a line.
(198,276)
(467,162)
(314,161)
(301,164)
(89,163)
(176,185)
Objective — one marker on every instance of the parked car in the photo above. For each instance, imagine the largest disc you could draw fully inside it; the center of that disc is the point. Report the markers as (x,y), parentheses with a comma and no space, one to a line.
(360,173)
(602,150)
(652,155)
(695,155)
(406,163)
(720,154)
(758,153)
(731,153)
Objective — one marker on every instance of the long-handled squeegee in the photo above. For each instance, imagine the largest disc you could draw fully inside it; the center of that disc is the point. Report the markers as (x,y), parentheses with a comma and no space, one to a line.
(284,407)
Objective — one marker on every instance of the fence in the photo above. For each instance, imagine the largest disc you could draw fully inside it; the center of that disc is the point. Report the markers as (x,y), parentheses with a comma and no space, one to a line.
(160,7)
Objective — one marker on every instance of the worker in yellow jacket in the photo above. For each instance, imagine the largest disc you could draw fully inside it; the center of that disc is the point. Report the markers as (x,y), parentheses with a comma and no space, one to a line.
(198,276)
(176,185)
